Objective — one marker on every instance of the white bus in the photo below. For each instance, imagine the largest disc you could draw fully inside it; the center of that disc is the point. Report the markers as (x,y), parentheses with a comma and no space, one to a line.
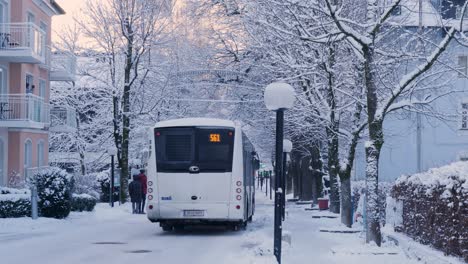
(200,171)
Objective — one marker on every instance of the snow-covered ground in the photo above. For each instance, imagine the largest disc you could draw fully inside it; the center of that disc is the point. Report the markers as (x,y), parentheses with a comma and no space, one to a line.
(116,236)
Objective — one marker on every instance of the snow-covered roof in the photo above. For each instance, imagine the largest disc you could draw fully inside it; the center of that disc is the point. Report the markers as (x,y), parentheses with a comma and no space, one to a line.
(196,122)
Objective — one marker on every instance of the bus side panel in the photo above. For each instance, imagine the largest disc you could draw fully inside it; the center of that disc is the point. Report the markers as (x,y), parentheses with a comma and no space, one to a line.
(237,175)
(153,214)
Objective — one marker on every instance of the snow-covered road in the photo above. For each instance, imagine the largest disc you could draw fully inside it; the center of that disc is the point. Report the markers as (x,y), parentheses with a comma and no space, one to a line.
(116,236)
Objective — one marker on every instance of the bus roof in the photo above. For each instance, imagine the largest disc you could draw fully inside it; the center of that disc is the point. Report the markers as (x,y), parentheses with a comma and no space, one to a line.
(196,122)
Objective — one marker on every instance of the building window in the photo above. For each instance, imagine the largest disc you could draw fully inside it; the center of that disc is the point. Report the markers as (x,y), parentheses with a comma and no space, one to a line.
(464,116)
(2,163)
(27,156)
(29,83)
(40,154)
(42,88)
(462,66)
(396,11)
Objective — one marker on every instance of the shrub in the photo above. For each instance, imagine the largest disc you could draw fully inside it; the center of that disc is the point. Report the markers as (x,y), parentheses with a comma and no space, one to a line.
(87,184)
(83,202)
(14,203)
(54,188)
(435,207)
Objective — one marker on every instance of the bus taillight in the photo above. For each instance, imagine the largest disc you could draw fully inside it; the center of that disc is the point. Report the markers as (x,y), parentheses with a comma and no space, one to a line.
(150,197)
(150,190)
(238,197)
(238,207)
(238,190)
(238,183)
(150,207)
(150,183)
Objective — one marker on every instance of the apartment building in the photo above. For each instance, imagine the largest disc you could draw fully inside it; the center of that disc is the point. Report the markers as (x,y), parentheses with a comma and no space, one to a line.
(416,142)
(26,70)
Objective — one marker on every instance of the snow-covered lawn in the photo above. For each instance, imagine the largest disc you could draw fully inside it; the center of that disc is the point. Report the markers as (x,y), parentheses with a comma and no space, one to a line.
(116,236)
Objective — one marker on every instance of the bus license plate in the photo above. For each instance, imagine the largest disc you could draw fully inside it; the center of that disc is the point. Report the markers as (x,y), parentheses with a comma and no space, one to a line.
(192,213)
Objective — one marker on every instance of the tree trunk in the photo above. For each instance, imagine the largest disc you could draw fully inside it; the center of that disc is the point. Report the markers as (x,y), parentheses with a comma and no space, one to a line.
(317,168)
(126,117)
(332,135)
(373,147)
(307,179)
(333,168)
(346,204)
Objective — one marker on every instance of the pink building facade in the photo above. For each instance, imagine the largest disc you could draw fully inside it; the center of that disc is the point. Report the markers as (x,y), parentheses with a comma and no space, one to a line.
(25,76)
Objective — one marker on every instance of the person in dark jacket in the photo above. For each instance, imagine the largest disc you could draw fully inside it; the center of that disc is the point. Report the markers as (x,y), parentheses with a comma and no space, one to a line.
(144,186)
(135,190)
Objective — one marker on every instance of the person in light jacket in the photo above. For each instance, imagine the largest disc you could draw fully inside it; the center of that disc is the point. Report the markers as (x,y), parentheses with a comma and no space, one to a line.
(136,191)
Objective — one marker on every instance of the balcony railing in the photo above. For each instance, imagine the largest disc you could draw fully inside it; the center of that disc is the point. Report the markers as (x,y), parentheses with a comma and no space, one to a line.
(22,42)
(63,119)
(63,67)
(23,110)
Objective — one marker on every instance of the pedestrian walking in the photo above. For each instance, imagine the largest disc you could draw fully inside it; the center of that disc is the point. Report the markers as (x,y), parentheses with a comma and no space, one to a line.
(136,192)
(144,187)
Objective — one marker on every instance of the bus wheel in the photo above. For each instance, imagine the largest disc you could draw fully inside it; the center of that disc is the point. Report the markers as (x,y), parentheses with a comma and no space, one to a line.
(166,227)
(179,228)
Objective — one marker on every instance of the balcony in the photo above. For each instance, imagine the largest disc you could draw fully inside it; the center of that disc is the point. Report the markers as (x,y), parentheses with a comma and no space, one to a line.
(23,111)
(63,119)
(63,67)
(22,43)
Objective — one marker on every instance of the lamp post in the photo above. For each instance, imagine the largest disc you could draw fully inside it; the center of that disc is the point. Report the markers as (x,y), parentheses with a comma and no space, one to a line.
(278,97)
(287,147)
(112,152)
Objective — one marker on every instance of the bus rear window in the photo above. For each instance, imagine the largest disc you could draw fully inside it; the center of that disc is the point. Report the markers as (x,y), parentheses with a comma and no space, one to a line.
(178,147)
(211,149)
(214,149)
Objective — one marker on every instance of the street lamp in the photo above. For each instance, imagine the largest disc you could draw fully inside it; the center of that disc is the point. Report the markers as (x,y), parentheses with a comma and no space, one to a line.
(278,97)
(287,147)
(112,152)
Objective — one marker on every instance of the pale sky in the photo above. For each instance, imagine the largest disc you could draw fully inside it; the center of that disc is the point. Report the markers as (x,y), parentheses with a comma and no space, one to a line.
(72,7)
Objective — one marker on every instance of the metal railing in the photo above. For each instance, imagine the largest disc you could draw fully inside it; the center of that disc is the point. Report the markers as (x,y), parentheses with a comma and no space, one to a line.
(63,116)
(23,35)
(64,61)
(24,107)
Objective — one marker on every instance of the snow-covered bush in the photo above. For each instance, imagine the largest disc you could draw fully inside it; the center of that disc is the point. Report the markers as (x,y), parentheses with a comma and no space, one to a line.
(87,184)
(435,207)
(103,178)
(54,188)
(83,202)
(14,202)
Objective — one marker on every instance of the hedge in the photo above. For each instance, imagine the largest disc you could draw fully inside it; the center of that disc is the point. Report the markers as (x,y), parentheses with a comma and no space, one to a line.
(14,203)
(435,208)
(83,202)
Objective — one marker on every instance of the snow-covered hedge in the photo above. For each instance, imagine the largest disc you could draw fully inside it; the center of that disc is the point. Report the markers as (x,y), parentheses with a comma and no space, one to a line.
(435,207)
(14,202)
(83,202)
(54,188)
